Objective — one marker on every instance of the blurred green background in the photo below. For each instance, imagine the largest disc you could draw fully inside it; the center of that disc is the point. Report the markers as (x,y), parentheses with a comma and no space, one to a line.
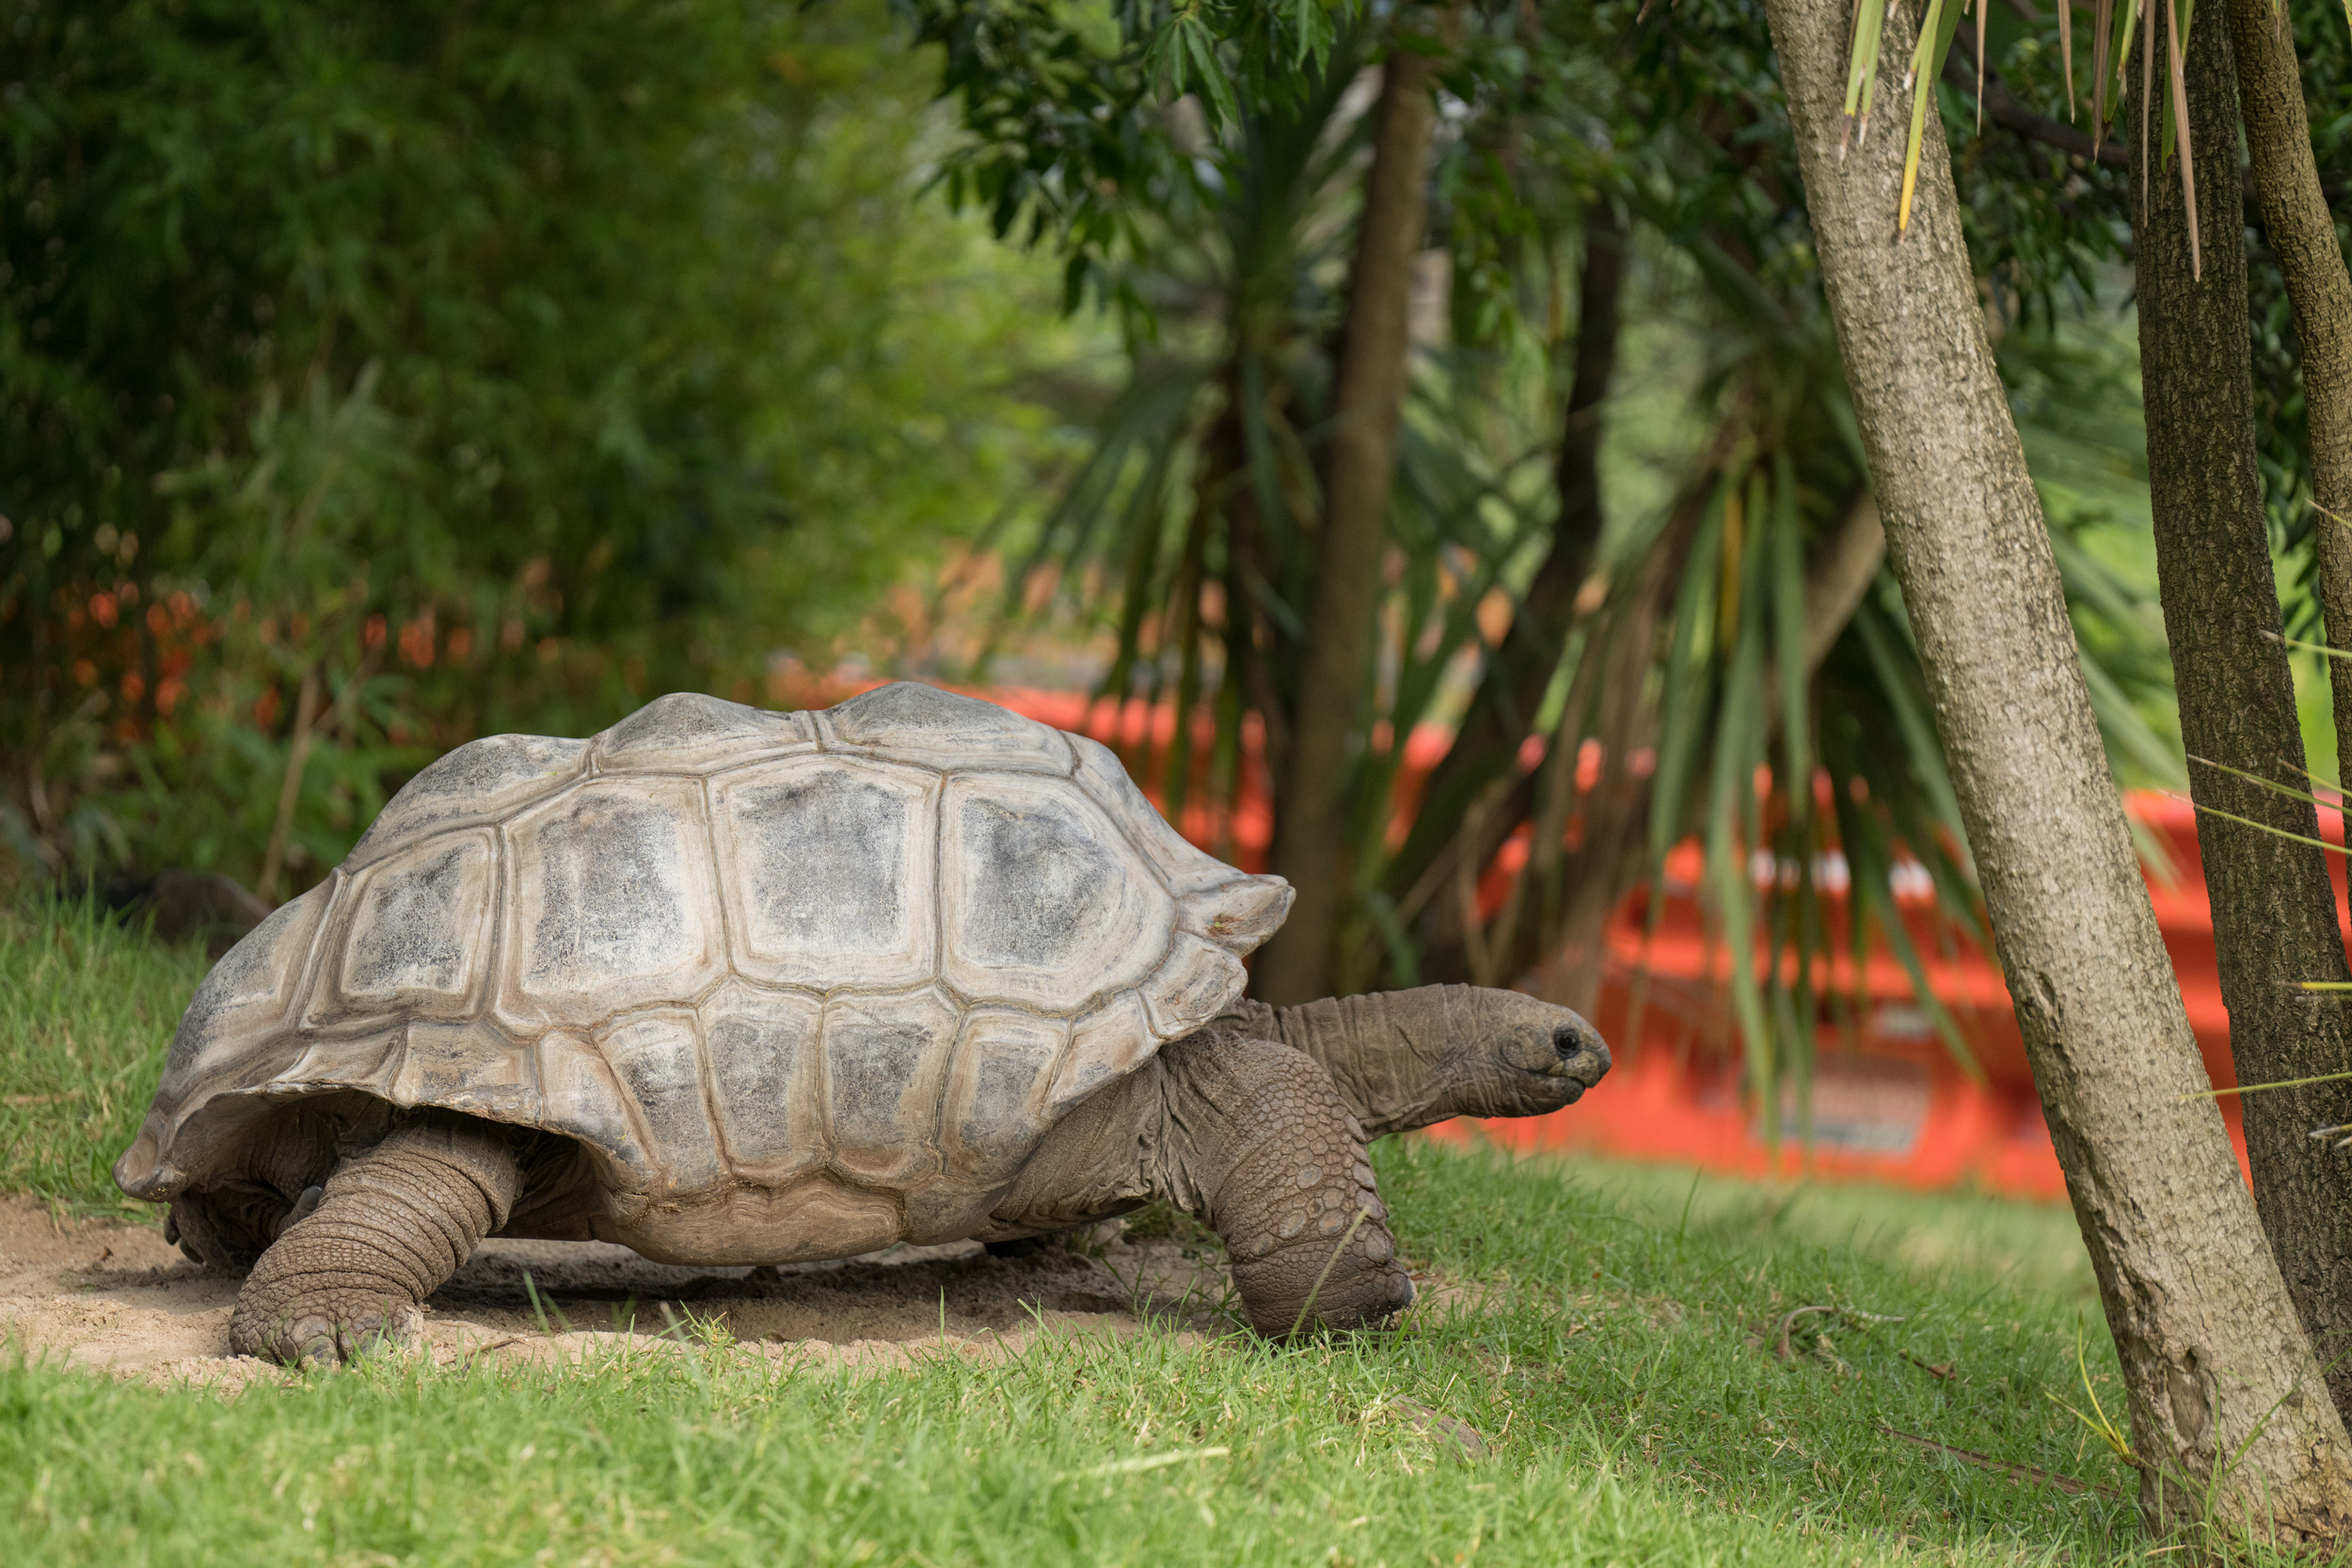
(373,378)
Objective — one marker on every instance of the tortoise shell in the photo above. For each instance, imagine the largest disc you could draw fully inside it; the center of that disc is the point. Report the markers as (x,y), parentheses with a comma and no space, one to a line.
(803,984)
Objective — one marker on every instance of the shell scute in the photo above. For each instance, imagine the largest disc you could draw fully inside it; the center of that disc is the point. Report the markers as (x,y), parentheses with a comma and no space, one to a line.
(482,781)
(461,1067)
(884,1057)
(1108,1043)
(612,905)
(579,1097)
(997,1092)
(914,722)
(1044,902)
(250,993)
(763,1055)
(418,932)
(1183,867)
(1241,913)
(657,1057)
(1230,908)
(828,870)
(686,732)
(1196,983)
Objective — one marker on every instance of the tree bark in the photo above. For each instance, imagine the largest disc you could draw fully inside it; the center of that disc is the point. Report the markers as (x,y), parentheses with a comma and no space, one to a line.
(2216,1369)
(1503,713)
(2274,915)
(1310,822)
(2302,233)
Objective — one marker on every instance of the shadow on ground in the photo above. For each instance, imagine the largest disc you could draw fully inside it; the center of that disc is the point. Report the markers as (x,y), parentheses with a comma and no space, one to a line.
(114,1297)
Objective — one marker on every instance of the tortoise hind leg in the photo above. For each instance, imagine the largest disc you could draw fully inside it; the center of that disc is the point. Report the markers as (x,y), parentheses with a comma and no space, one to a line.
(390,1226)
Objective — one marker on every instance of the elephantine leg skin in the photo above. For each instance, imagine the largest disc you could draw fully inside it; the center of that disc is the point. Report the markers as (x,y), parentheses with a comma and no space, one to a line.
(390,1226)
(1249,1136)
(1280,1162)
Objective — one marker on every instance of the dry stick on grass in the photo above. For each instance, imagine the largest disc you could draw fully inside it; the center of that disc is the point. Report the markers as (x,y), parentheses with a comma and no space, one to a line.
(1941,1370)
(2006,1467)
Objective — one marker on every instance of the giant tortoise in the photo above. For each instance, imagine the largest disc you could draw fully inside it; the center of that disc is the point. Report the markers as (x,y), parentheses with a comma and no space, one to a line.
(733,987)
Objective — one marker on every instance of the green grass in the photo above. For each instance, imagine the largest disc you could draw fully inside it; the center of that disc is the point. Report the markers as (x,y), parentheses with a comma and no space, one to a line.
(86,1008)
(1614,1343)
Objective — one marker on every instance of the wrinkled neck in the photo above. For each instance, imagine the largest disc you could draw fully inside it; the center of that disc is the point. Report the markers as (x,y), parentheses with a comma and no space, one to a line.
(1386,1051)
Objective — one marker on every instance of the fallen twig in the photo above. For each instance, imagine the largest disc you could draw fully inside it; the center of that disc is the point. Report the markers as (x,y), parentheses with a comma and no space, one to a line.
(2067,1484)
(40,1099)
(471,1354)
(1789,1323)
(1931,1369)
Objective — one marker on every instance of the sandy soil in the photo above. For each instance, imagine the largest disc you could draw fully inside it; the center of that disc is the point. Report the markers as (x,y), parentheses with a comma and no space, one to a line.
(114,1297)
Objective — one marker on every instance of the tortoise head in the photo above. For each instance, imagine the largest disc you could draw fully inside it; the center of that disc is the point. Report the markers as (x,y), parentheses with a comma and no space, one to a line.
(1509,1054)
(1405,1058)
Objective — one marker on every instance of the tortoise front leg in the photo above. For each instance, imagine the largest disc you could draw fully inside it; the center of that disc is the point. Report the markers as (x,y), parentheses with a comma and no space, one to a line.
(390,1227)
(1280,1165)
(1251,1137)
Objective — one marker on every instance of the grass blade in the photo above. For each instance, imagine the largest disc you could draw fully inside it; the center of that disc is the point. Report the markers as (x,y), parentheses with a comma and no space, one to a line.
(1788,625)
(2271,784)
(2281,1084)
(2263,827)
(1936,30)
(2308,647)
(2102,71)
(1984,11)
(1862,72)
(2147,97)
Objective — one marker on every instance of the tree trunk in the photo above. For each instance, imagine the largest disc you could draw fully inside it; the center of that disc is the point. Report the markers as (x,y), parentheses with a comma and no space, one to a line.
(2274,915)
(1503,713)
(2302,234)
(2215,1365)
(1311,818)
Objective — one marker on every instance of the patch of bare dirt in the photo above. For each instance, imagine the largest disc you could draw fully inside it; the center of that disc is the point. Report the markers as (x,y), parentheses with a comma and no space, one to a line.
(114,1297)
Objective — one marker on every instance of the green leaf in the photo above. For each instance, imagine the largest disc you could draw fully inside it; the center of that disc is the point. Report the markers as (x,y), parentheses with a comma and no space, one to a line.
(1788,558)
(1936,31)
(1689,682)
(1861,71)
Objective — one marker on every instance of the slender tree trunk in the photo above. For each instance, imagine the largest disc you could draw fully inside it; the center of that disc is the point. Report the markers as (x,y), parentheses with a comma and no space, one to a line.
(1311,821)
(1503,710)
(1835,579)
(290,790)
(2302,234)
(2274,915)
(2219,1377)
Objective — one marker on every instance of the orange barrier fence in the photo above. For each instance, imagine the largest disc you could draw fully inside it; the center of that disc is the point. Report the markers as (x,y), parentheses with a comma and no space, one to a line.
(1889,1100)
